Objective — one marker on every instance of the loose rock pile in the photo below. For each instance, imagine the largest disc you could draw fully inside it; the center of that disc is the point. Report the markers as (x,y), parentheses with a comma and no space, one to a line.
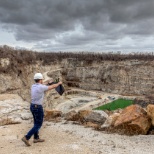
(133,120)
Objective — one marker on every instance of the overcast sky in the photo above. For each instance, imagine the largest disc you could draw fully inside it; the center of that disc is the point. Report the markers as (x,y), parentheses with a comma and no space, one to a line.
(78,25)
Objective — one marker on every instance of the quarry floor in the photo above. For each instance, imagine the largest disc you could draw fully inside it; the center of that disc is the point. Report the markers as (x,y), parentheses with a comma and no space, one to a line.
(66,137)
(62,138)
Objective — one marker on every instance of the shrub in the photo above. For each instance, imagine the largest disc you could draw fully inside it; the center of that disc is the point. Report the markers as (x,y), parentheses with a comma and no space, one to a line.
(27,57)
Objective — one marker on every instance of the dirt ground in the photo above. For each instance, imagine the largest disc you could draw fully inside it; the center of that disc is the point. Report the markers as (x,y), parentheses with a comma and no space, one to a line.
(62,138)
(57,142)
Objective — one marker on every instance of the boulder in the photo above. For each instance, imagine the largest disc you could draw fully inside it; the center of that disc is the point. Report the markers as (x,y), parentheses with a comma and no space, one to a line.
(143,102)
(93,125)
(133,120)
(51,114)
(150,112)
(71,116)
(110,121)
(83,114)
(9,120)
(26,116)
(97,117)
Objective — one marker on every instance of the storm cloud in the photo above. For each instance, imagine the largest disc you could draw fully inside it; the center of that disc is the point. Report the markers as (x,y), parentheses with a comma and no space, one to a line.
(80,24)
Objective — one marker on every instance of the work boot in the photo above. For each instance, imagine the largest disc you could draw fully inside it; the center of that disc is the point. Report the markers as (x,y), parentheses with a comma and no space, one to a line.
(26,141)
(38,140)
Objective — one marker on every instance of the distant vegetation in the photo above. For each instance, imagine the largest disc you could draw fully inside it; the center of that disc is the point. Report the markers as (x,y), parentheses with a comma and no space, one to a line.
(119,103)
(26,57)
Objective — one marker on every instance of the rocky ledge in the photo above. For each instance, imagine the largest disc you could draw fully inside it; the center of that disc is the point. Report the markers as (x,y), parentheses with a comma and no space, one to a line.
(13,109)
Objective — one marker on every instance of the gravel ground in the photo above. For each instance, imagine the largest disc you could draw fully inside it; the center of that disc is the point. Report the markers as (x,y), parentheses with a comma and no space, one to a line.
(103,143)
(62,138)
(57,141)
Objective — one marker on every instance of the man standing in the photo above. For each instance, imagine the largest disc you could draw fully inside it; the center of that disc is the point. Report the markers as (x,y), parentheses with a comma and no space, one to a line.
(37,95)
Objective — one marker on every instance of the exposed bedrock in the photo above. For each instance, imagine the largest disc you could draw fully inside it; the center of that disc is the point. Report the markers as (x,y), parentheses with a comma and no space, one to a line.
(123,77)
(131,77)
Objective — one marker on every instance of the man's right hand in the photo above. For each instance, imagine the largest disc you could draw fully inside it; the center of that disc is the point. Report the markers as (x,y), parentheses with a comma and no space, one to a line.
(54,85)
(59,82)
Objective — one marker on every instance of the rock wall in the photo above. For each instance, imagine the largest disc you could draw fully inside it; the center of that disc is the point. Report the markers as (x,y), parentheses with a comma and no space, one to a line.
(121,77)
(131,77)
(19,81)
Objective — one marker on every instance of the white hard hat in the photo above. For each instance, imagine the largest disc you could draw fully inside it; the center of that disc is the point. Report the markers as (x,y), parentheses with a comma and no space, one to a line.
(38,76)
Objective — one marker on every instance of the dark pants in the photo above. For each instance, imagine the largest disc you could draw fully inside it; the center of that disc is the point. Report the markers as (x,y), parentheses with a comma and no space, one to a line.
(38,114)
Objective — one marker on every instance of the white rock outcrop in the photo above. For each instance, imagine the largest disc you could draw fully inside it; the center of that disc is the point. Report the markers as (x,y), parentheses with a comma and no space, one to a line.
(13,109)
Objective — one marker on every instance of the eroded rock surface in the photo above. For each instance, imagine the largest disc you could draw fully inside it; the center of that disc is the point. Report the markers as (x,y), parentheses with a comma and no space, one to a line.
(133,77)
(13,109)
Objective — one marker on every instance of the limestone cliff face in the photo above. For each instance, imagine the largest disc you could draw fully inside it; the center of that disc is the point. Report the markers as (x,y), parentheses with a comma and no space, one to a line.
(19,81)
(123,77)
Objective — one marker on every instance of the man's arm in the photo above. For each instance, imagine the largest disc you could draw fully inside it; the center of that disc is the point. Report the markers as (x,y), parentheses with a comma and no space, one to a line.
(54,86)
(47,81)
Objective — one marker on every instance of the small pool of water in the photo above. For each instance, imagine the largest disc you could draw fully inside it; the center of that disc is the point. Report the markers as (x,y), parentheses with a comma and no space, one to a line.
(119,103)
